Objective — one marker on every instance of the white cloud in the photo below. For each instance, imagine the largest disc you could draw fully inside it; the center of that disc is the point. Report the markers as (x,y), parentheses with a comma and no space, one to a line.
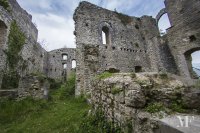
(196,57)
(57,31)
(54,17)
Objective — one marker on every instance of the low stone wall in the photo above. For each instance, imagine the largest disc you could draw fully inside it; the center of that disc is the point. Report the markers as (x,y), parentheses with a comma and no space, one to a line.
(33,86)
(128,99)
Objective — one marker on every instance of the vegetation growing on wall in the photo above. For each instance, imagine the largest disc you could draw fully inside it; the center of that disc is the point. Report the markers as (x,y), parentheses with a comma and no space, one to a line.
(16,41)
(125,19)
(63,113)
(104,75)
(5,4)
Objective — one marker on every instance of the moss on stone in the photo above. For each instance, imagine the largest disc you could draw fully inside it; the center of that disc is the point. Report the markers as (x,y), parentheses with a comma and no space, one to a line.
(155,107)
(115,90)
(104,75)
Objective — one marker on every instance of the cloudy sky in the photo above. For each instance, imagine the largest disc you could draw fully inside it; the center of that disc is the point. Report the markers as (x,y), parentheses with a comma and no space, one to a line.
(53,18)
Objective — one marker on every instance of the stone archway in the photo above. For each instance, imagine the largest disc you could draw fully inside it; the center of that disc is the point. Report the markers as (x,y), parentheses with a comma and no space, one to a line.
(188,58)
(163,22)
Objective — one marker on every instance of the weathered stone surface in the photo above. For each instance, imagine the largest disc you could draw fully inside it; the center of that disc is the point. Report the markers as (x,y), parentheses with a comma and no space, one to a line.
(11,94)
(33,86)
(130,96)
(191,98)
(179,124)
(135,99)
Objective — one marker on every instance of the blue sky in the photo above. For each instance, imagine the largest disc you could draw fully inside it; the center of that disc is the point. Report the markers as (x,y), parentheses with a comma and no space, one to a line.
(55,24)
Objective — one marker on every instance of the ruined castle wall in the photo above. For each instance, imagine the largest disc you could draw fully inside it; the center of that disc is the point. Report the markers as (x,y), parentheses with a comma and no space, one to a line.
(57,59)
(33,56)
(24,20)
(127,40)
(183,36)
(5,20)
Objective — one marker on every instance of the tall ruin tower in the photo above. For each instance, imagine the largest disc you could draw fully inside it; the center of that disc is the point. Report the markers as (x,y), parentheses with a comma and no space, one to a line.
(183,36)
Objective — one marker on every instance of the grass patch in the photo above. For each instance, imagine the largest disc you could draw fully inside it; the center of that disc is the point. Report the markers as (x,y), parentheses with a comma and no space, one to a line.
(63,113)
(59,114)
(97,123)
(104,75)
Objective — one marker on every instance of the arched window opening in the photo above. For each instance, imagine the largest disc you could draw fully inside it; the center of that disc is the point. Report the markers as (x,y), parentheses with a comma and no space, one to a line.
(64,66)
(105,35)
(138,69)
(196,63)
(193,63)
(73,64)
(64,56)
(164,24)
(3,33)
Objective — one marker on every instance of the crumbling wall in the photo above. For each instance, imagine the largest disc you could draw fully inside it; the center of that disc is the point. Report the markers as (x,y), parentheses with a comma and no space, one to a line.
(31,57)
(56,61)
(33,86)
(140,101)
(183,36)
(129,46)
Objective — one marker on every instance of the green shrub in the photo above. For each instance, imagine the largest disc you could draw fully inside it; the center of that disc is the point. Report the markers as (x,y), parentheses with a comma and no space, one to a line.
(155,107)
(16,41)
(177,107)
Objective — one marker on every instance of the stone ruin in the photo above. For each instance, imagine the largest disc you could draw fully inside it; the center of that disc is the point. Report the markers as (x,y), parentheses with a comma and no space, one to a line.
(56,64)
(132,45)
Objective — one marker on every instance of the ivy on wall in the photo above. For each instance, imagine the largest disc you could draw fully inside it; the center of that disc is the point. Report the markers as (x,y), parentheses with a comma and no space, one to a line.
(16,41)
(5,5)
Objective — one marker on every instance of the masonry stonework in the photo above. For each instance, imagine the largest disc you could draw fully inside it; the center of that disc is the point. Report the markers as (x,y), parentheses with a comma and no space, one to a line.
(32,57)
(132,44)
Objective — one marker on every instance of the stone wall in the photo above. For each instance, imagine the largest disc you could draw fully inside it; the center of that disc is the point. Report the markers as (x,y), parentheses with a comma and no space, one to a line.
(33,86)
(33,56)
(133,99)
(133,44)
(56,61)
(183,36)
